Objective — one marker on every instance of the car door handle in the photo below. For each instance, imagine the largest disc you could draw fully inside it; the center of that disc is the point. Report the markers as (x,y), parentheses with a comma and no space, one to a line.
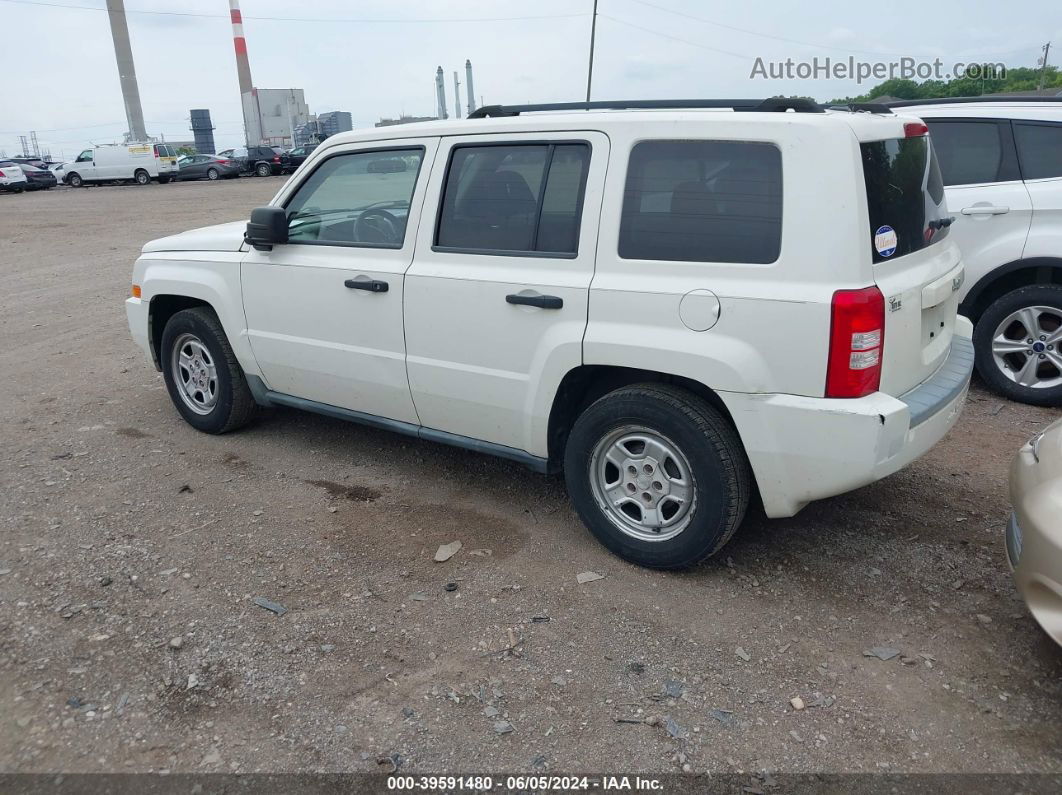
(541,301)
(983,209)
(370,285)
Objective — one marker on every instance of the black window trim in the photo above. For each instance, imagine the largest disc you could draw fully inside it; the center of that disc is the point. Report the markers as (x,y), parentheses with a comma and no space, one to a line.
(552,143)
(1009,168)
(1014,138)
(781,222)
(352,244)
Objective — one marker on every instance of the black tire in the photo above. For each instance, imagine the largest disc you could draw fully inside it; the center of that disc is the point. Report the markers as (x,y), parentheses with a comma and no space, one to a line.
(213,174)
(235,406)
(141,177)
(163,180)
(1044,295)
(721,473)
(263,170)
(74,180)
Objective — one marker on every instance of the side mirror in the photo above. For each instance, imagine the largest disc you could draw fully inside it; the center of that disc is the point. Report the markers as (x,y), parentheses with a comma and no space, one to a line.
(268,227)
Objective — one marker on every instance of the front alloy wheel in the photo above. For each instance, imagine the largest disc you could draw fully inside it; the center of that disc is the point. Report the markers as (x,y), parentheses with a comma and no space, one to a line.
(195,374)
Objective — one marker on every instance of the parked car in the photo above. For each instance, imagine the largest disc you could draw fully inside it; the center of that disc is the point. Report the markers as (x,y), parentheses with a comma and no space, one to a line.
(293,158)
(38,178)
(135,162)
(29,161)
(612,295)
(1034,533)
(262,161)
(206,167)
(12,178)
(58,171)
(1002,166)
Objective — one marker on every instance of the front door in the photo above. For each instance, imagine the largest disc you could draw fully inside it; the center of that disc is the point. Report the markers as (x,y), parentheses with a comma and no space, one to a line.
(84,166)
(496,298)
(324,311)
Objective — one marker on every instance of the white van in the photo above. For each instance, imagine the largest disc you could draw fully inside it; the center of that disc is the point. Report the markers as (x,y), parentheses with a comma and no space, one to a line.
(137,162)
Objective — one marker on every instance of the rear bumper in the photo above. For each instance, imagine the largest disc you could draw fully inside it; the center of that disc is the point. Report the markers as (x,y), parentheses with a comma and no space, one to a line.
(803,449)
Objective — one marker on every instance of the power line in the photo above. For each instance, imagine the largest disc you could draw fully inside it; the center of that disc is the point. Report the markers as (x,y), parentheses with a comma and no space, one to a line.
(411,20)
(742,56)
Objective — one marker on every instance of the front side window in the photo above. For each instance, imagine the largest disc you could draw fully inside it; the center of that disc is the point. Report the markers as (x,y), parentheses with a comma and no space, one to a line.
(84,157)
(969,152)
(517,198)
(703,201)
(351,200)
(1039,149)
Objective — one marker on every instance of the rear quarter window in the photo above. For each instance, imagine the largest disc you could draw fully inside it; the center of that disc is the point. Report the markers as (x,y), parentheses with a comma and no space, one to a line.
(1039,149)
(702,201)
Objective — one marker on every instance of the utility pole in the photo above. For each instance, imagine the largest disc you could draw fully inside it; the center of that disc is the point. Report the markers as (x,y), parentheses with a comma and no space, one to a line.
(1043,65)
(590,67)
(123,54)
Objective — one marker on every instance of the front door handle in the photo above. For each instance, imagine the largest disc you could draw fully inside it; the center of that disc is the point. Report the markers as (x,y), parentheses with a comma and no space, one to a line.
(370,285)
(985,209)
(541,301)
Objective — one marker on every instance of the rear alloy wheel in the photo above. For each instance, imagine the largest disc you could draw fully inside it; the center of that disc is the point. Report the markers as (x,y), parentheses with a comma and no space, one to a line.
(263,170)
(212,174)
(141,177)
(658,475)
(1018,342)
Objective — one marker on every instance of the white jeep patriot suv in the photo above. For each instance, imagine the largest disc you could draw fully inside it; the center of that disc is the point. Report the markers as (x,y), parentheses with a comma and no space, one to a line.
(677,304)
(1001,161)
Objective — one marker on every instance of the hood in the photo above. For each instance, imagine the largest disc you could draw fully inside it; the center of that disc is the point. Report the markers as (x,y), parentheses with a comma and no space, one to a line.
(222,237)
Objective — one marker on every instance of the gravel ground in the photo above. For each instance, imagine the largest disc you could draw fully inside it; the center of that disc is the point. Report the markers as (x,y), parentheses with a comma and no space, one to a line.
(133,549)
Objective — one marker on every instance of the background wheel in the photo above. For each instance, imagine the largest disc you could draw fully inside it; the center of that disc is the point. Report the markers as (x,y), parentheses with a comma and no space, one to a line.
(212,174)
(141,177)
(263,170)
(204,380)
(74,180)
(658,475)
(1018,345)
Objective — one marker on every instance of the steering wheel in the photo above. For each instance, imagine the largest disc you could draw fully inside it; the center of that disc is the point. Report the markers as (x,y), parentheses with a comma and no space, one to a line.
(377,226)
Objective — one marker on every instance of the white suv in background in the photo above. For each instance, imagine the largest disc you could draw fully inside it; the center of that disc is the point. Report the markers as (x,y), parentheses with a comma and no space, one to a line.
(1002,166)
(677,304)
(12,177)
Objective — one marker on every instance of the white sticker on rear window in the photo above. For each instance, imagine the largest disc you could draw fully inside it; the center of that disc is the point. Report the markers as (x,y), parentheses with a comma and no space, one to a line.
(885,241)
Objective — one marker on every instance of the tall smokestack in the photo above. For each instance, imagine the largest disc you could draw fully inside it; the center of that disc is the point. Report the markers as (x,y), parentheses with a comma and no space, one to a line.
(457,97)
(123,53)
(440,92)
(252,121)
(470,92)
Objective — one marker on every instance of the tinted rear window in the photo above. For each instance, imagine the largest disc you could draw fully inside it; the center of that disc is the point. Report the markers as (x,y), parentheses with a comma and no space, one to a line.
(703,201)
(905,196)
(1040,149)
(970,152)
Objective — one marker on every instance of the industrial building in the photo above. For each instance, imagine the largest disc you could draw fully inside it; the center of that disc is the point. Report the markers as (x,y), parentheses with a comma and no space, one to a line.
(335,121)
(203,130)
(281,110)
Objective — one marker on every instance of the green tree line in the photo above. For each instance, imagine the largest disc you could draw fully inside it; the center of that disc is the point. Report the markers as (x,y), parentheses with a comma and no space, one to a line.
(1022,78)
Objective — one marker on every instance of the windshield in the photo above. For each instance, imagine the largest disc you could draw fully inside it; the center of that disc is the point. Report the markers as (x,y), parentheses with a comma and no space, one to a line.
(905,196)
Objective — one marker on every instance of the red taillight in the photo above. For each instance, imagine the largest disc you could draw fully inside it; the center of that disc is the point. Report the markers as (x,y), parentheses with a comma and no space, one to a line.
(914,129)
(223,162)
(276,158)
(857,339)
(156,148)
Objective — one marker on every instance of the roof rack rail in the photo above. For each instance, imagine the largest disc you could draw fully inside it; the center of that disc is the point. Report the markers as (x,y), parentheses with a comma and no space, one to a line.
(862,107)
(770,105)
(906,103)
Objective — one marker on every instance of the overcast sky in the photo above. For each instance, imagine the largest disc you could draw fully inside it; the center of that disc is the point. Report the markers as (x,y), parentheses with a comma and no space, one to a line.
(378,58)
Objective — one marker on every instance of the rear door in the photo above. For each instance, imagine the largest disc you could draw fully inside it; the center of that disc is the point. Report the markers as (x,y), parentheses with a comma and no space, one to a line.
(324,311)
(918,273)
(496,298)
(984,190)
(1040,153)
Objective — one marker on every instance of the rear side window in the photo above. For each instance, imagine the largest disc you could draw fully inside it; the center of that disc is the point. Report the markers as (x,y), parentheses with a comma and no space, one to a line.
(905,196)
(521,198)
(702,201)
(1039,149)
(969,152)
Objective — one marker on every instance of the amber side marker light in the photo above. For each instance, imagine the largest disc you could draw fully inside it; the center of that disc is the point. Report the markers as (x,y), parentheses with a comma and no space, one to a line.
(135,291)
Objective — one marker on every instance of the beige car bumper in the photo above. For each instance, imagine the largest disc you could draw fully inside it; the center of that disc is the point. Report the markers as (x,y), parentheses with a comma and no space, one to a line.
(1034,532)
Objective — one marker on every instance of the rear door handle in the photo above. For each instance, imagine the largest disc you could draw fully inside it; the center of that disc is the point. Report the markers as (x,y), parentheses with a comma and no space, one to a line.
(541,301)
(370,285)
(983,209)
